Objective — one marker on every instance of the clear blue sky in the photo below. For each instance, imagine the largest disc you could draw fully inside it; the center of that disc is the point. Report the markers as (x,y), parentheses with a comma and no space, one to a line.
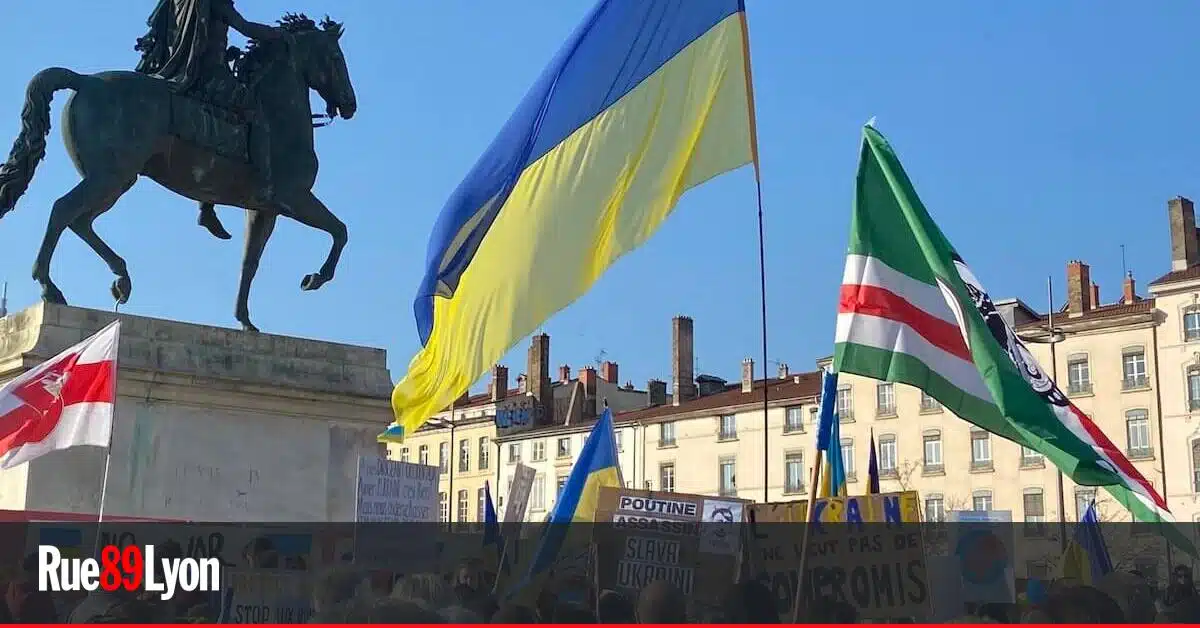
(1036,132)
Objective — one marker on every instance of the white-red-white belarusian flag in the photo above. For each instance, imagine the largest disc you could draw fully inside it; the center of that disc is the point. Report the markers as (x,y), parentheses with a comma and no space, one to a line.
(64,402)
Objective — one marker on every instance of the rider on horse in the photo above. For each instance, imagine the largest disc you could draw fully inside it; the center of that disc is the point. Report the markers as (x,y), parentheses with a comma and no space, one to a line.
(187,46)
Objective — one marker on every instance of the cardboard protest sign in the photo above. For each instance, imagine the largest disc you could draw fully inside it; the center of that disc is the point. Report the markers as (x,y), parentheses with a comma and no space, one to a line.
(266,597)
(390,491)
(519,490)
(866,550)
(691,541)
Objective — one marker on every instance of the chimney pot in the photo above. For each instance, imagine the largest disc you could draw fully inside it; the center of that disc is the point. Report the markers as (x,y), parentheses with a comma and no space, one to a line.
(1079,291)
(587,377)
(1095,295)
(1130,289)
(682,356)
(608,372)
(747,375)
(523,383)
(783,370)
(564,373)
(499,385)
(1185,245)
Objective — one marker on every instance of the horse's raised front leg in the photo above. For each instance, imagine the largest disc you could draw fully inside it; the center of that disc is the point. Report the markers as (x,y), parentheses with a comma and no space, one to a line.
(93,192)
(259,226)
(308,209)
(122,286)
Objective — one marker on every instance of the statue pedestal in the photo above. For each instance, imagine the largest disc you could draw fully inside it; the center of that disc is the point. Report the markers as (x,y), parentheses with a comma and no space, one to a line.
(212,424)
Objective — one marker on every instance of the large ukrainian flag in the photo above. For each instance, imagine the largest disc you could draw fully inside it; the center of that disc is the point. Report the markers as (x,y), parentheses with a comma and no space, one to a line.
(647,99)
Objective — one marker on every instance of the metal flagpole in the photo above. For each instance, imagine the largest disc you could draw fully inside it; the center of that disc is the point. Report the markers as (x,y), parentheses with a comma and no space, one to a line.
(1062,492)
(112,428)
(808,517)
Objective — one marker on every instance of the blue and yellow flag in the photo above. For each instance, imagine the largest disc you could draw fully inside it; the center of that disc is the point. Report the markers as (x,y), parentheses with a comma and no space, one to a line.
(1087,559)
(596,467)
(645,100)
(829,440)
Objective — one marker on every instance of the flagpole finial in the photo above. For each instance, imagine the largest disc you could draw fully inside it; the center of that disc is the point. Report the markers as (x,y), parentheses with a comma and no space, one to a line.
(871,122)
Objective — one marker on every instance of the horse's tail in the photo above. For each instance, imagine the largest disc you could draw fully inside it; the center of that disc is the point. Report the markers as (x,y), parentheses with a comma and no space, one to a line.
(30,146)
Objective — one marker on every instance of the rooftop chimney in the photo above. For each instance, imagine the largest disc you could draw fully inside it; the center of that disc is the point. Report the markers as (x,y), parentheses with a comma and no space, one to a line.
(1079,291)
(608,372)
(1185,248)
(522,383)
(564,373)
(539,376)
(499,383)
(747,375)
(1130,289)
(783,370)
(1095,295)
(656,392)
(588,377)
(682,355)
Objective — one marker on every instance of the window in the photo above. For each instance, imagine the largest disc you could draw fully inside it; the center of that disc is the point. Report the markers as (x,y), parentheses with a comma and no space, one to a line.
(443,507)
(537,493)
(848,457)
(929,404)
(617,434)
(982,501)
(981,450)
(423,454)
(481,508)
(933,452)
(1191,325)
(727,477)
(1193,384)
(1031,458)
(1083,500)
(793,473)
(885,399)
(1137,430)
(1035,513)
(564,447)
(485,452)
(666,434)
(444,457)
(793,420)
(514,453)
(1196,466)
(935,509)
(559,481)
(404,454)
(1133,366)
(814,415)
(463,505)
(539,451)
(666,477)
(845,405)
(1079,375)
(728,429)
(464,456)
(887,456)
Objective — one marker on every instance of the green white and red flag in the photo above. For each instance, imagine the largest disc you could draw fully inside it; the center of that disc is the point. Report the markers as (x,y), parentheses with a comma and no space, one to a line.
(911,311)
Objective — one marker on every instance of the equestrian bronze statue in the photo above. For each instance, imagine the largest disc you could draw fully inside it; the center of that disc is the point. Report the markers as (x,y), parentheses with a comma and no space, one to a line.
(202,119)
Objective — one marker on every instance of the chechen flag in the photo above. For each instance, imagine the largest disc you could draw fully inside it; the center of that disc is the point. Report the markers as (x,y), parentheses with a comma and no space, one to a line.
(64,402)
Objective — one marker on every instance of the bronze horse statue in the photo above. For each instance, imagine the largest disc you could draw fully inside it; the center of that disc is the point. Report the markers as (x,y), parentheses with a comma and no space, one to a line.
(119,125)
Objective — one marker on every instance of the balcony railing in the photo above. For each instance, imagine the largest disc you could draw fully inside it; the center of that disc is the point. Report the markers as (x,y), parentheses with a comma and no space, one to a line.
(1130,383)
(1140,452)
(1079,388)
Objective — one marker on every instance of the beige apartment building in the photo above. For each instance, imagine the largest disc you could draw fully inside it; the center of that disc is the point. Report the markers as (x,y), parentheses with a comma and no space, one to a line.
(462,440)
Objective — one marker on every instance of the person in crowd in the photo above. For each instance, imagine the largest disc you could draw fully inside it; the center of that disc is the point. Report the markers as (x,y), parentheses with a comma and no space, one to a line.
(428,589)
(1081,604)
(393,610)
(749,602)
(354,611)
(514,614)
(614,608)
(826,610)
(260,554)
(460,615)
(337,585)
(1132,593)
(661,603)
(573,613)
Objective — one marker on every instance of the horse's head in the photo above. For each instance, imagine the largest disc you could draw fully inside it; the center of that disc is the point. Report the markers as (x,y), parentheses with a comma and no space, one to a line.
(319,57)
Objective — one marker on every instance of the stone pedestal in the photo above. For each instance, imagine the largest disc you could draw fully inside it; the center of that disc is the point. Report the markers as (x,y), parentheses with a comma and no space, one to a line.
(212,424)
